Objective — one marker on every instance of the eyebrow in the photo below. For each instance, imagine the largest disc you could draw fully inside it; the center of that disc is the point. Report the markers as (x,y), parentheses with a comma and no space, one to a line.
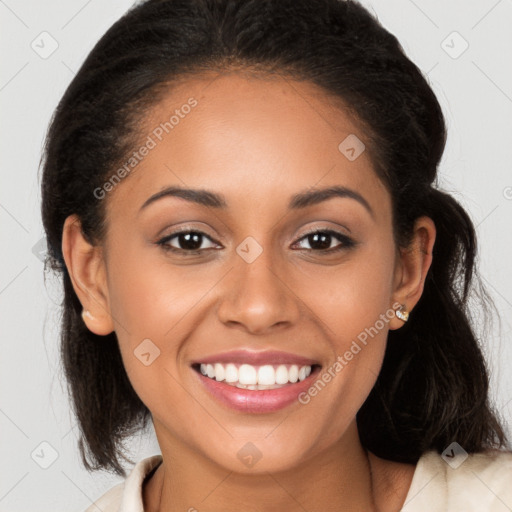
(297,201)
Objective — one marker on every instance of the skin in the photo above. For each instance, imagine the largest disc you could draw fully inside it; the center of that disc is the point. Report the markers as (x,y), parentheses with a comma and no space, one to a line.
(257,142)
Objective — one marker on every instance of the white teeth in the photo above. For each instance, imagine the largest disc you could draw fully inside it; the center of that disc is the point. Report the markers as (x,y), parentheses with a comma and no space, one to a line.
(266,375)
(247,376)
(219,372)
(281,374)
(231,373)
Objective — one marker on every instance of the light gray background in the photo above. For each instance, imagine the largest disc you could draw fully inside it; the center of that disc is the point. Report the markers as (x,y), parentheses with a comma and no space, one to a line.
(475,90)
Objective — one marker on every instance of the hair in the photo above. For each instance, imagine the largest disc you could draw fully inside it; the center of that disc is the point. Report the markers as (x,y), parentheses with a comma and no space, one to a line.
(433,387)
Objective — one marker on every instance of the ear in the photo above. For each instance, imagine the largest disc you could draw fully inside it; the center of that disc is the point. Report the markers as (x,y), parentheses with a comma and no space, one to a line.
(412,266)
(86,268)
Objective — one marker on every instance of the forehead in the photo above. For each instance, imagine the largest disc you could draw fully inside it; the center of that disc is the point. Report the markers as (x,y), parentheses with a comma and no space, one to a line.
(249,136)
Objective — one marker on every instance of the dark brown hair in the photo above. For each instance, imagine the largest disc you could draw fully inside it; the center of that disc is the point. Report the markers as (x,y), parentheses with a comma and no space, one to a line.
(433,387)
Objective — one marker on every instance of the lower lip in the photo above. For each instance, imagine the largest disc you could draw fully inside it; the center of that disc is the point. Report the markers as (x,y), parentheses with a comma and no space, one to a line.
(254,401)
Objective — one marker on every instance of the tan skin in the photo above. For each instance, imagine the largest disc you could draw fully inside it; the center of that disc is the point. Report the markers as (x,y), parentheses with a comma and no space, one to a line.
(257,142)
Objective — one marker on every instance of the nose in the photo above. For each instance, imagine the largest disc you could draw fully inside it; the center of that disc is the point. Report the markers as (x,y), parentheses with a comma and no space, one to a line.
(258,297)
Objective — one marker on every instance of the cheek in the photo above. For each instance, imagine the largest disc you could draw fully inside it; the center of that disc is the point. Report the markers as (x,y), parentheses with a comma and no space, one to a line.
(353,305)
(147,302)
(148,296)
(350,297)
(155,305)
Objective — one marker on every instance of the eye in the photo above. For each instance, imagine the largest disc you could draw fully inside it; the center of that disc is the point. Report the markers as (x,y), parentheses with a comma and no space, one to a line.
(326,240)
(191,242)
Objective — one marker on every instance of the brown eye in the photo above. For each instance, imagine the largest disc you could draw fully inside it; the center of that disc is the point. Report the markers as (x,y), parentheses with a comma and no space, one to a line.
(186,241)
(326,241)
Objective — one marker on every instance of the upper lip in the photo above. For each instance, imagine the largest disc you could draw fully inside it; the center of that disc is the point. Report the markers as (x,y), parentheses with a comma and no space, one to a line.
(257,358)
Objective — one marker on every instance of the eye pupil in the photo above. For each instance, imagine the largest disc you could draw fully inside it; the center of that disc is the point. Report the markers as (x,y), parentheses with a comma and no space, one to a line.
(190,241)
(320,240)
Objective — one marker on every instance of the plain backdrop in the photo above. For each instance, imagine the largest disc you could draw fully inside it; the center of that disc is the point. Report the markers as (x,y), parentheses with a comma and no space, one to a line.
(465,48)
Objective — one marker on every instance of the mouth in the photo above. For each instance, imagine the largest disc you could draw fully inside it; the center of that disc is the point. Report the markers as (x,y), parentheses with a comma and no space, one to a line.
(256,382)
(255,377)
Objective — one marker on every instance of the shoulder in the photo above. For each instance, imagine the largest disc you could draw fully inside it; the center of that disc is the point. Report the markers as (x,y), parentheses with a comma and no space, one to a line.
(127,495)
(455,480)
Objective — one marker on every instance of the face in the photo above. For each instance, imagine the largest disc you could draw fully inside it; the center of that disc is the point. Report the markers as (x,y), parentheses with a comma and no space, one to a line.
(266,271)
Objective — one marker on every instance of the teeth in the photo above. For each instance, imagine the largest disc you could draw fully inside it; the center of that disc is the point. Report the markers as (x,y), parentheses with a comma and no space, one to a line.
(247,376)
(219,372)
(266,375)
(231,373)
(282,374)
(293,374)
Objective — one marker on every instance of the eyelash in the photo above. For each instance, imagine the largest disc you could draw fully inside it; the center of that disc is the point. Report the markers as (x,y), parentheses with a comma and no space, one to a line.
(345,241)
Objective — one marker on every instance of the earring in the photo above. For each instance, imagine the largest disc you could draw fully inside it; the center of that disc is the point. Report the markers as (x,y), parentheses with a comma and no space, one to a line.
(86,313)
(402,313)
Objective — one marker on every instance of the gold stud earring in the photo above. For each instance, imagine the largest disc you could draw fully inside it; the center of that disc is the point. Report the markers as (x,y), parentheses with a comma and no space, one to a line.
(402,313)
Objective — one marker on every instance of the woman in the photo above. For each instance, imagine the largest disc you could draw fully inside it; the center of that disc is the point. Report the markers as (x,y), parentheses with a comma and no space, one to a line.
(241,198)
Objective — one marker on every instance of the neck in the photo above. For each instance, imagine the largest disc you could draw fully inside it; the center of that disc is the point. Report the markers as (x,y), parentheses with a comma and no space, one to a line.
(338,478)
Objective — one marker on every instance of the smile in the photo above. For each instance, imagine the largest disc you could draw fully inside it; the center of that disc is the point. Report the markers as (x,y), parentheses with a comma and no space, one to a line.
(247,376)
(253,388)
